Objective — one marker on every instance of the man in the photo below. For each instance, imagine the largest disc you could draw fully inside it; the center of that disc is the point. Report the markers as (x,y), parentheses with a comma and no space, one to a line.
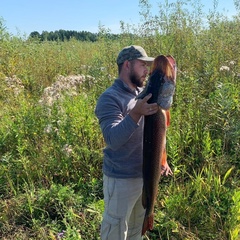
(121,120)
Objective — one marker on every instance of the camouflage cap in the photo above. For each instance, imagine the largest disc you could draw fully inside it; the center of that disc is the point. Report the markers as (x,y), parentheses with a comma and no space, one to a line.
(133,52)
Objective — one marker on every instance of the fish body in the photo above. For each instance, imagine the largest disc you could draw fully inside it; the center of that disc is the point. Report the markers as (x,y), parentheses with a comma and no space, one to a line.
(152,153)
(154,141)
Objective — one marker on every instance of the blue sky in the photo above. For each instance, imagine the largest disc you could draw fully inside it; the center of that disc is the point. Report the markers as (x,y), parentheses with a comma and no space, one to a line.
(25,16)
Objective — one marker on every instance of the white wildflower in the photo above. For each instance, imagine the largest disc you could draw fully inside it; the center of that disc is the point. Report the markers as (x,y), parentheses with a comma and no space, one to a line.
(224,68)
(232,63)
(219,85)
(48,128)
(14,84)
(48,101)
(64,85)
(67,149)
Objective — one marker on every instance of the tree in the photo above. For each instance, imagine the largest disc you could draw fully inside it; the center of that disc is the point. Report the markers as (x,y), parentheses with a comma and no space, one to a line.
(35,34)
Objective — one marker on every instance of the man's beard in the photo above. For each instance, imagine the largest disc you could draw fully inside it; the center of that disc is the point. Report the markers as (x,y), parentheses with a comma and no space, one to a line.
(135,79)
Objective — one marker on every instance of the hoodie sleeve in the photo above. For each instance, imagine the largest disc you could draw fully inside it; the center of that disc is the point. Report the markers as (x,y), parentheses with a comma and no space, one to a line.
(117,126)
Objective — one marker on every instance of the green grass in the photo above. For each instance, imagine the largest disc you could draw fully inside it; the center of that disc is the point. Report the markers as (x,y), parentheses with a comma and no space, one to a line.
(51,154)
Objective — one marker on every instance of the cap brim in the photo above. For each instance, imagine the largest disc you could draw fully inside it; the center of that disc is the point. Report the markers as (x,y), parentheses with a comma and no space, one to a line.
(146,59)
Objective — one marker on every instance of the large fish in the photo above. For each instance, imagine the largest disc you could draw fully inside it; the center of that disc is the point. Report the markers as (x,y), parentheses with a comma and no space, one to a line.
(161,84)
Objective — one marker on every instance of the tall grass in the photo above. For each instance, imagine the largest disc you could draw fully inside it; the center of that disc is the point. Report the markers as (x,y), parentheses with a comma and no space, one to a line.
(51,154)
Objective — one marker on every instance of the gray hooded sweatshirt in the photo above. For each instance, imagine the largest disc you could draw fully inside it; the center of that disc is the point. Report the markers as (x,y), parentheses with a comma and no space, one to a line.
(123,137)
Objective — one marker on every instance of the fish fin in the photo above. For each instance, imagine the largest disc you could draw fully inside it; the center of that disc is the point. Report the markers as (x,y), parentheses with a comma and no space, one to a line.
(164,158)
(168,117)
(150,222)
(147,224)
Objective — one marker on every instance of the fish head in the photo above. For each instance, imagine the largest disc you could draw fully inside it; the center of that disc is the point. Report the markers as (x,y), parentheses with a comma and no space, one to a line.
(161,82)
(153,84)
(165,68)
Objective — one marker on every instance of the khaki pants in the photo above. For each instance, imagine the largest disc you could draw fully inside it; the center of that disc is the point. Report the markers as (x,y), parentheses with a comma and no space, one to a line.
(123,215)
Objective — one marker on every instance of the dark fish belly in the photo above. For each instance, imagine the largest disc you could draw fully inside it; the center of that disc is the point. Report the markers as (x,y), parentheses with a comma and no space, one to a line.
(153,147)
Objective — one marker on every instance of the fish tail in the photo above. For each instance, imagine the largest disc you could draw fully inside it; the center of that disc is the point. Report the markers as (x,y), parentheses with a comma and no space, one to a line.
(147,224)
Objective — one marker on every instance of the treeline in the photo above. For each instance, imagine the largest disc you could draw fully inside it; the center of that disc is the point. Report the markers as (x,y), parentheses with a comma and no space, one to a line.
(66,35)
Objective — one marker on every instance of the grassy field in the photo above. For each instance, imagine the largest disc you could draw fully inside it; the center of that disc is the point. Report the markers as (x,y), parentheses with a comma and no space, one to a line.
(51,144)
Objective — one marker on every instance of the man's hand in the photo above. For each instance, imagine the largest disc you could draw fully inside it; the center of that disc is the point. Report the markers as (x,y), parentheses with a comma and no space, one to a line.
(166,170)
(143,108)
